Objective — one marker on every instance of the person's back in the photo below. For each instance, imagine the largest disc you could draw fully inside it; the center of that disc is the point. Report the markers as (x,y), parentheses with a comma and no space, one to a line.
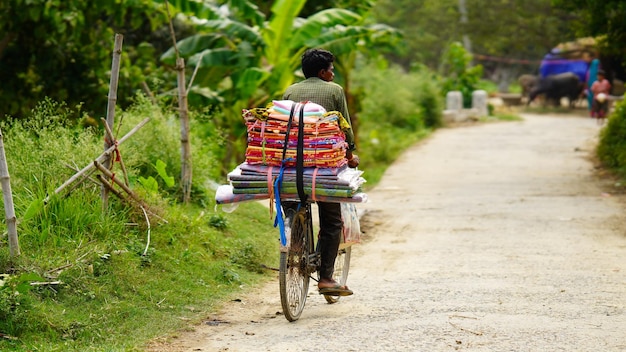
(330,95)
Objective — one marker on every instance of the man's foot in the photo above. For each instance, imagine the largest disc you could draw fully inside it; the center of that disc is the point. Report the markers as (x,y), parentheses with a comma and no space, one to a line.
(333,288)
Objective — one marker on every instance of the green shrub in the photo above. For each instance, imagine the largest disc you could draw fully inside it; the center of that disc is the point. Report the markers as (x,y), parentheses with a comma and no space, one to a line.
(397,109)
(390,98)
(459,74)
(612,145)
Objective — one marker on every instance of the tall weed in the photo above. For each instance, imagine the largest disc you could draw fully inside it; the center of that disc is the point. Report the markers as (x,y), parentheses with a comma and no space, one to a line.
(160,142)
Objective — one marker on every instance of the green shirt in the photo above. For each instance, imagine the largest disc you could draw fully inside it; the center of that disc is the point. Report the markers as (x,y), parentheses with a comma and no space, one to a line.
(327,94)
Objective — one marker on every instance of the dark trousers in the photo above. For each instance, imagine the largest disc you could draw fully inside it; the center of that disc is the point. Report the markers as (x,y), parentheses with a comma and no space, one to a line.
(331,227)
(599,109)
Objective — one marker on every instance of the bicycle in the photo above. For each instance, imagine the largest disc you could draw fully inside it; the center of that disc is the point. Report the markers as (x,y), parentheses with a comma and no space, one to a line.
(300,259)
(299,256)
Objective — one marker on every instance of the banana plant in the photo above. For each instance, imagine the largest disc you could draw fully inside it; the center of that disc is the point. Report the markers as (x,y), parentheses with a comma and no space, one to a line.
(244,60)
(256,58)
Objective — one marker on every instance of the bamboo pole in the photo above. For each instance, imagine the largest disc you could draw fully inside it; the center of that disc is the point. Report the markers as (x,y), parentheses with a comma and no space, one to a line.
(9,209)
(115,73)
(99,158)
(186,173)
(111,138)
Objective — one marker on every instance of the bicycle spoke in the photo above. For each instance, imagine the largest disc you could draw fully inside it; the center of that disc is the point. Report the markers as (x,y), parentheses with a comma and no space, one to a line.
(293,274)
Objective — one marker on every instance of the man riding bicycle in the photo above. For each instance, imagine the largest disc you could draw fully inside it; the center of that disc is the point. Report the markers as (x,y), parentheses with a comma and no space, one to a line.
(317,66)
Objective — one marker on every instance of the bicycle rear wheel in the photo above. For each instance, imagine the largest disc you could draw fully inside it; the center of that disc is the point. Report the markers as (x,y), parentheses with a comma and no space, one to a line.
(340,274)
(293,270)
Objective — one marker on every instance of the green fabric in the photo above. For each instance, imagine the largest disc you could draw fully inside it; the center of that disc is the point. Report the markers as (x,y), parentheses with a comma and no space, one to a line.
(327,94)
(262,184)
(343,193)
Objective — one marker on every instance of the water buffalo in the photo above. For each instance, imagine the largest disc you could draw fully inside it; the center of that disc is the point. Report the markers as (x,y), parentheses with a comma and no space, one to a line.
(555,87)
(528,83)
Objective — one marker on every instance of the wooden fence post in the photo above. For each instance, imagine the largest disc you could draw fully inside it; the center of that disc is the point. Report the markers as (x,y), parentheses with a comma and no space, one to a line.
(186,173)
(115,73)
(183,110)
(9,210)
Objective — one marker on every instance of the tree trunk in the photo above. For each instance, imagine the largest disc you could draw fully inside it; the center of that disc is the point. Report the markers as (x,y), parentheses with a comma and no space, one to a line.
(9,210)
(467,44)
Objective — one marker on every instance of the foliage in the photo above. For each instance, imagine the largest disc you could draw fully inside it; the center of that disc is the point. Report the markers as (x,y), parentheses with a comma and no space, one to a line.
(15,302)
(507,37)
(244,58)
(63,50)
(612,145)
(599,18)
(397,109)
(460,74)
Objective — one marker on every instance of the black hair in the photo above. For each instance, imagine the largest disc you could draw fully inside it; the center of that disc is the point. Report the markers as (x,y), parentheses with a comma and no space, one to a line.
(315,60)
(601,72)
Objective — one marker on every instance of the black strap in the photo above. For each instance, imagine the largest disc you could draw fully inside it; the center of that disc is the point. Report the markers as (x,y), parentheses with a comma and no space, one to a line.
(291,113)
(300,157)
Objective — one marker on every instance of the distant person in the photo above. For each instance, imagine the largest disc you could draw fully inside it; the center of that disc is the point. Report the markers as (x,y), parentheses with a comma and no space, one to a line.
(592,74)
(600,91)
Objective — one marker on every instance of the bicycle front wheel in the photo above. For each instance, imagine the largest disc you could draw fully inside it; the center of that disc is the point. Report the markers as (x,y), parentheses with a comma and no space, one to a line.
(293,270)
(340,273)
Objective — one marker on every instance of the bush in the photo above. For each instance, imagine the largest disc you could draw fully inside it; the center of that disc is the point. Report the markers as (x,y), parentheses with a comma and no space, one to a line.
(397,108)
(612,145)
(460,76)
(405,100)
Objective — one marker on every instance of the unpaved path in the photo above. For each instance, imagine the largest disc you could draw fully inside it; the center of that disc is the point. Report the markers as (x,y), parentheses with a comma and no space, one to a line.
(494,237)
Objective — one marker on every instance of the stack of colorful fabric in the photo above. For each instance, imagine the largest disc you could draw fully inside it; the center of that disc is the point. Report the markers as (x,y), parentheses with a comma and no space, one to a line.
(326,175)
(324,141)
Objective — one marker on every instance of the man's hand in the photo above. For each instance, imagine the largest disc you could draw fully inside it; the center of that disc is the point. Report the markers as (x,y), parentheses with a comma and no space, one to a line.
(353,160)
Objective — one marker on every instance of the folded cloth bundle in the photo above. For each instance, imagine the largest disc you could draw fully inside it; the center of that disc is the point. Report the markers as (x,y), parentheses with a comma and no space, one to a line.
(326,175)
(225,195)
(248,182)
(324,141)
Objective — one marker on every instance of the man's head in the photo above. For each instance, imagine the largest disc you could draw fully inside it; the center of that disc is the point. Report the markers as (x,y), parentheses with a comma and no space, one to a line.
(601,74)
(318,63)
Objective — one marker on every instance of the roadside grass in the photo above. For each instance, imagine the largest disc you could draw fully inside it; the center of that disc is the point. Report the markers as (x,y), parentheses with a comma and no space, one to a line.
(112,296)
(101,286)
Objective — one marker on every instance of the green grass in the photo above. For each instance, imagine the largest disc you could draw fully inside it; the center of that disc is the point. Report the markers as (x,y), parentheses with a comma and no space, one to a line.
(113,297)
(109,291)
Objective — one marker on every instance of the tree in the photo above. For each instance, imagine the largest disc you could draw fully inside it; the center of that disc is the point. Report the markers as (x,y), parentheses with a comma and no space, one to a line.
(62,49)
(603,19)
(505,34)
(459,74)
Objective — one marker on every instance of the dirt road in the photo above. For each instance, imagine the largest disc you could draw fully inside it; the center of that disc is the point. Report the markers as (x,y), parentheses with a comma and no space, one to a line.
(493,237)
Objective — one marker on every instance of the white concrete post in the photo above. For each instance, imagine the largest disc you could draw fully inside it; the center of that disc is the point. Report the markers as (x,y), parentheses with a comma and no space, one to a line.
(479,102)
(454,100)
